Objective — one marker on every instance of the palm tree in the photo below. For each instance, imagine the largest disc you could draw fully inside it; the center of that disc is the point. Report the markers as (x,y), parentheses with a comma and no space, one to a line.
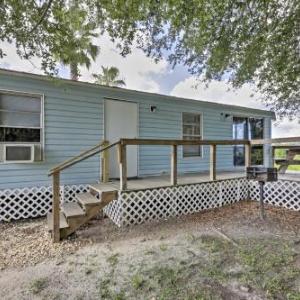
(109,76)
(82,53)
(76,47)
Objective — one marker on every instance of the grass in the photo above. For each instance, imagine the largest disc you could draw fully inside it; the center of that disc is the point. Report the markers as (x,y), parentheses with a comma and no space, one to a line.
(270,268)
(107,292)
(137,281)
(113,259)
(38,285)
(281,154)
(163,247)
(263,266)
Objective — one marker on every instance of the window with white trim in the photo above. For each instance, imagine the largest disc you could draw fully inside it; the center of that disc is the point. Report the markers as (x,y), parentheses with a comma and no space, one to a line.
(192,130)
(21,120)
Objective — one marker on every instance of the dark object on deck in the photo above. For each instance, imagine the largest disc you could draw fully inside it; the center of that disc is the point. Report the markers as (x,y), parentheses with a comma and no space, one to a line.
(262,175)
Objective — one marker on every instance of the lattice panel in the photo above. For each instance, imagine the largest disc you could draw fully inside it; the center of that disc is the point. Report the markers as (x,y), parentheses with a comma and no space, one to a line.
(282,193)
(113,211)
(137,207)
(33,202)
(70,191)
(140,206)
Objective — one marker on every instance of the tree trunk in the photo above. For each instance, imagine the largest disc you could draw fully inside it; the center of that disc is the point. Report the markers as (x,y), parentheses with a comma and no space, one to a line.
(74,72)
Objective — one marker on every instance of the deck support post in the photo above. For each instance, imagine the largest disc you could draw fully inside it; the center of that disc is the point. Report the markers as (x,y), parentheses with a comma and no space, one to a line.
(174,165)
(123,166)
(247,155)
(273,149)
(105,163)
(213,163)
(56,207)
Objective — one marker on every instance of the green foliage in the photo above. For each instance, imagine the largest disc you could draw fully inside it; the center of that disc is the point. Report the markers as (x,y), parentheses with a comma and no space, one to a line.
(38,285)
(254,41)
(113,259)
(53,30)
(270,266)
(109,76)
(137,281)
(244,41)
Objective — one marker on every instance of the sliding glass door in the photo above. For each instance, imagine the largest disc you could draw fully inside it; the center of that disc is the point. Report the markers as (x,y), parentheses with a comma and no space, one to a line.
(256,131)
(240,132)
(247,128)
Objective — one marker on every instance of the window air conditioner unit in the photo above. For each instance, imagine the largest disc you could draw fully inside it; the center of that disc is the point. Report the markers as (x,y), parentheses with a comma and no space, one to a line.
(18,153)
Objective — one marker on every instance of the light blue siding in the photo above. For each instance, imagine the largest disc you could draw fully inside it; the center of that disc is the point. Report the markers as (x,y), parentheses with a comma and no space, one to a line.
(74,121)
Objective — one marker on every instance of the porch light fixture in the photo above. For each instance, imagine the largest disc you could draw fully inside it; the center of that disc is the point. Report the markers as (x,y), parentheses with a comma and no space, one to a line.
(224,116)
(153,108)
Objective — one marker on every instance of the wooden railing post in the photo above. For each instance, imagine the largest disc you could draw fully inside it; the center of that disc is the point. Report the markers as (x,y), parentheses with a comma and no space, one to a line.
(123,166)
(105,163)
(56,207)
(212,163)
(174,165)
(247,155)
(273,152)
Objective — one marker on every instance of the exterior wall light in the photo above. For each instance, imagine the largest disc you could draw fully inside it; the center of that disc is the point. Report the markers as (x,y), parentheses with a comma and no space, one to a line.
(153,108)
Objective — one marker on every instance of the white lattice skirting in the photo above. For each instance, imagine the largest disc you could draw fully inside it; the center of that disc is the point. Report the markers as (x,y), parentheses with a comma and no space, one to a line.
(136,207)
(33,202)
(282,193)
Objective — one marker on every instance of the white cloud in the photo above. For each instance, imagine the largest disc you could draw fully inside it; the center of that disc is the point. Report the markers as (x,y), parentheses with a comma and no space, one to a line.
(137,69)
(218,92)
(286,128)
(14,62)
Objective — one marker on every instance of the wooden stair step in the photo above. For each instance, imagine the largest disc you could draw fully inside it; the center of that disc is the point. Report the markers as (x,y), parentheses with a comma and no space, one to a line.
(62,221)
(72,209)
(107,192)
(87,199)
(103,187)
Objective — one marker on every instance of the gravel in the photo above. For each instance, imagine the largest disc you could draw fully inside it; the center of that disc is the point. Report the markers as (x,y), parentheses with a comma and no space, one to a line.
(27,242)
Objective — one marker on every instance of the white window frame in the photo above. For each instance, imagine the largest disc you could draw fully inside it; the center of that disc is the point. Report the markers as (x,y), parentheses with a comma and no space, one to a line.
(201,134)
(42,124)
(31,146)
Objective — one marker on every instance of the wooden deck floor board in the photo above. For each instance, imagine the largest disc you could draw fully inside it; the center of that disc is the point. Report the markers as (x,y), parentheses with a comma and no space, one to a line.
(150,182)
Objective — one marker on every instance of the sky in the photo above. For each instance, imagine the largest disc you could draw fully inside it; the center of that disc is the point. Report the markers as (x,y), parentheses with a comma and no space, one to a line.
(142,73)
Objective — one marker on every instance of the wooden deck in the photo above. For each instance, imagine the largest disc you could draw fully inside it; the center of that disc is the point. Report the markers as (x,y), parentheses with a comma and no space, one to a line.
(191,178)
(173,179)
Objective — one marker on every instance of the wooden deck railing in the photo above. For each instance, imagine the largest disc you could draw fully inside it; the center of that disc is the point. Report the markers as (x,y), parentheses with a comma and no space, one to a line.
(174,145)
(122,157)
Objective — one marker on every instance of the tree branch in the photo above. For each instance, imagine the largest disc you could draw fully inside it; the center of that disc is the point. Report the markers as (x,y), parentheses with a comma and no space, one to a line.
(42,17)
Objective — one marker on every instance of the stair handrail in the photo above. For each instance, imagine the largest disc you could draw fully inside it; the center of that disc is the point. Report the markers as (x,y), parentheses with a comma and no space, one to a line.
(55,173)
(82,156)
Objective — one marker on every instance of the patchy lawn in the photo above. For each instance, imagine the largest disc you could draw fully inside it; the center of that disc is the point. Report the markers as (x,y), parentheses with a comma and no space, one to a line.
(280,153)
(226,253)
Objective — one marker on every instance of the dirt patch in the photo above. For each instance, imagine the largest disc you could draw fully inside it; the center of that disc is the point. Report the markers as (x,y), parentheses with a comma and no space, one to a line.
(226,253)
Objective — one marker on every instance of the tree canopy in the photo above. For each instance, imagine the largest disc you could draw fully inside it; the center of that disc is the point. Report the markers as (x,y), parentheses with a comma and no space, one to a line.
(243,41)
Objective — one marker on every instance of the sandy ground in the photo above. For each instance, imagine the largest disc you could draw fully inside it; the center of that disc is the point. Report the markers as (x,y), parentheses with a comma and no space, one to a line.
(209,255)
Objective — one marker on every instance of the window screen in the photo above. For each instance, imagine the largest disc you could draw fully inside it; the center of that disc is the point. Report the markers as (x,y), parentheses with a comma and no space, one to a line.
(191,128)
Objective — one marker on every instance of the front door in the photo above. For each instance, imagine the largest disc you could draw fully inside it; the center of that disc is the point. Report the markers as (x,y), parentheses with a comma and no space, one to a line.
(121,121)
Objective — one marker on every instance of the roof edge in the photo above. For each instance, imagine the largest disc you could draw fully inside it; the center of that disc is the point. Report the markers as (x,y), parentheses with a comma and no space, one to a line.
(89,84)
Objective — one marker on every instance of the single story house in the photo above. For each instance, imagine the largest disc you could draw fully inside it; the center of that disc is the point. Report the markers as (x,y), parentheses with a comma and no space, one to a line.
(44,121)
